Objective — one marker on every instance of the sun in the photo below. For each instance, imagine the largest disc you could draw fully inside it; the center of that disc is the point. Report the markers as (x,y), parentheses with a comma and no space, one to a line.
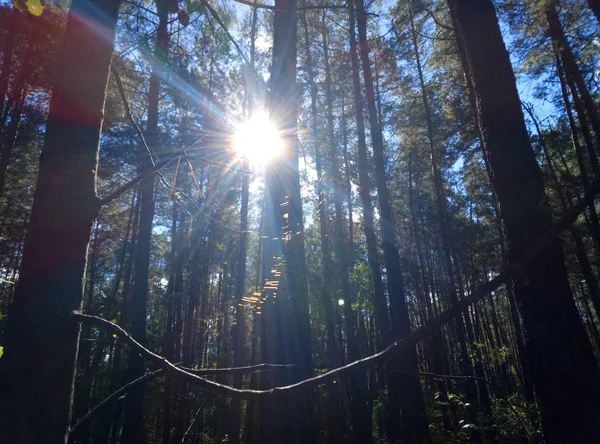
(258,140)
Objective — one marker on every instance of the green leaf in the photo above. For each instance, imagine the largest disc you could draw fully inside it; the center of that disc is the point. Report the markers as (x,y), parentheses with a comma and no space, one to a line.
(1,351)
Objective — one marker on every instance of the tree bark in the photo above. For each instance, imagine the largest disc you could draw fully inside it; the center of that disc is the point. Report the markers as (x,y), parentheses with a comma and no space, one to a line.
(360,404)
(415,427)
(36,404)
(133,426)
(284,205)
(564,369)
(334,409)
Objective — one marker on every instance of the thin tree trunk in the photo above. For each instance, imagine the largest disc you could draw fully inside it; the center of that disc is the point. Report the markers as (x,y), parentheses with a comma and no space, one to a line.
(360,404)
(444,224)
(239,329)
(168,339)
(334,408)
(133,426)
(559,41)
(408,395)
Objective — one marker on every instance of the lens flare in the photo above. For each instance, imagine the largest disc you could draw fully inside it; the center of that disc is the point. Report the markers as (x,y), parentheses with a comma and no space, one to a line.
(258,139)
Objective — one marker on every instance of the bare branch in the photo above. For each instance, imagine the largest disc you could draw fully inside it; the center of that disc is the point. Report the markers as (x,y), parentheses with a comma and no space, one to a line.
(302,8)
(518,268)
(112,397)
(123,95)
(232,370)
(132,183)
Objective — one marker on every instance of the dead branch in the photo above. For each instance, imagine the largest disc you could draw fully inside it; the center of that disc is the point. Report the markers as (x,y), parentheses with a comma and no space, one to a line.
(516,269)
(232,370)
(112,397)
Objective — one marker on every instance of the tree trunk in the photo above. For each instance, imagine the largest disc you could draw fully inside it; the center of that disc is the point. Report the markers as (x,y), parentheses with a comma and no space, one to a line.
(409,397)
(380,303)
(239,329)
(564,369)
(573,74)
(36,404)
(360,404)
(444,224)
(282,185)
(595,7)
(335,432)
(133,426)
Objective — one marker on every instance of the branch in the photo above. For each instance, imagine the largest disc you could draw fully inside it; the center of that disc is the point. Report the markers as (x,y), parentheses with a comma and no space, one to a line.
(518,268)
(111,397)
(132,183)
(437,22)
(123,95)
(302,8)
(232,370)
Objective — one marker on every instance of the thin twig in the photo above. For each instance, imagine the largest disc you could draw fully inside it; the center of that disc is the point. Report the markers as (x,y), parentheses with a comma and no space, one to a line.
(112,397)
(132,183)
(192,423)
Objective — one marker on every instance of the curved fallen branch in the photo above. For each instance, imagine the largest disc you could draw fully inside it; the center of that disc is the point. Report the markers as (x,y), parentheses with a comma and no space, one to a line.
(518,268)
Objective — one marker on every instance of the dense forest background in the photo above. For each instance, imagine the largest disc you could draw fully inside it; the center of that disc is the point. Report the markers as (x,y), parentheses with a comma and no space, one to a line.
(419,262)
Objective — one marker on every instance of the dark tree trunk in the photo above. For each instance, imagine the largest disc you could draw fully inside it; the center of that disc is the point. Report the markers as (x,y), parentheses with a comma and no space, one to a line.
(581,95)
(564,369)
(595,7)
(444,223)
(360,404)
(36,404)
(335,427)
(239,329)
(380,303)
(408,395)
(133,426)
(282,185)
(168,337)
(580,253)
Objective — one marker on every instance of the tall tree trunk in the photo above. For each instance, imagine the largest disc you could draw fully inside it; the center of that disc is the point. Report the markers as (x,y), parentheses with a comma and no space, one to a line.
(36,401)
(360,404)
(444,224)
(133,427)
(380,303)
(282,184)
(239,329)
(168,337)
(573,73)
(580,253)
(564,369)
(594,224)
(415,427)
(335,431)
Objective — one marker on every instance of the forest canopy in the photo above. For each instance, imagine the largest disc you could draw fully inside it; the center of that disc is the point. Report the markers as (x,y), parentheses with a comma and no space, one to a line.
(299,221)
